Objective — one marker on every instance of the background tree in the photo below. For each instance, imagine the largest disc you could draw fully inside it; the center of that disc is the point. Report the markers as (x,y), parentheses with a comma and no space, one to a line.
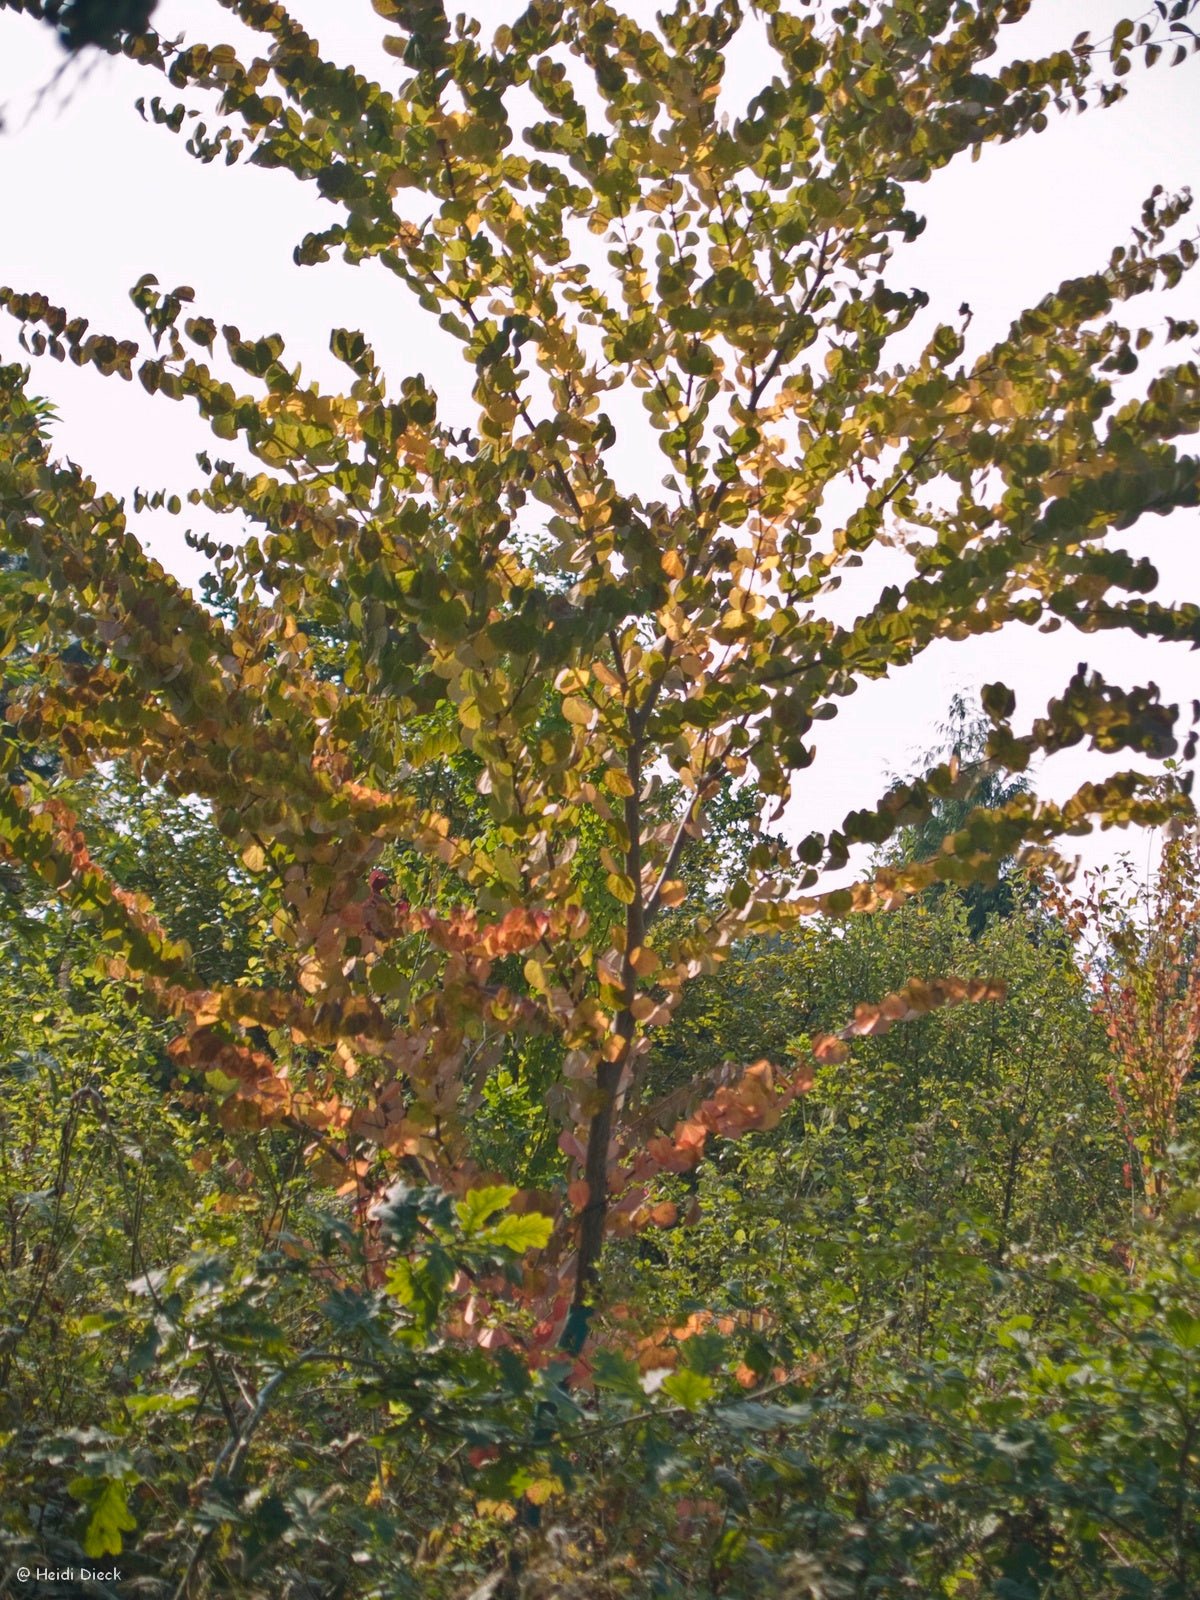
(980,784)
(1138,936)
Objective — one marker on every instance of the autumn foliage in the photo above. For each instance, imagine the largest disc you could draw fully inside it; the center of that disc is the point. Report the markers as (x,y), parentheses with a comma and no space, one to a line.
(400,595)
(1141,942)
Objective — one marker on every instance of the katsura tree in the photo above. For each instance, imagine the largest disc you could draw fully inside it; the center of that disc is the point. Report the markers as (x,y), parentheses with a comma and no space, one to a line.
(627,262)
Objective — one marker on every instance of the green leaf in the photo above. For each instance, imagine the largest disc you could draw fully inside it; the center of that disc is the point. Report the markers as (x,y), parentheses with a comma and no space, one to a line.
(142,1405)
(479,1206)
(110,1518)
(400,1282)
(612,1370)
(1185,1328)
(688,1388)
(520,1233)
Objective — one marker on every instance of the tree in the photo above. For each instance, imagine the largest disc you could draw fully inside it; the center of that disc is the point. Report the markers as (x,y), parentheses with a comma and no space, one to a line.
(981,784)
(1141,943)
(498,591)
(989,1123)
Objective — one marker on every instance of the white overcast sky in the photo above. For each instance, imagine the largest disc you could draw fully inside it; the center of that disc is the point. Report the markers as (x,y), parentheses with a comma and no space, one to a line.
(91,198)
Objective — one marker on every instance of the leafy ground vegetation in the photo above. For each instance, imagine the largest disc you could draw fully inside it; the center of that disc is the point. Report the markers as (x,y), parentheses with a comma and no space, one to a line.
(452,1144)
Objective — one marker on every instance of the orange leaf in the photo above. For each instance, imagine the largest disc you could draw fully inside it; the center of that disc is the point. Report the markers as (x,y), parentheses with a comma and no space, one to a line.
(829,1048)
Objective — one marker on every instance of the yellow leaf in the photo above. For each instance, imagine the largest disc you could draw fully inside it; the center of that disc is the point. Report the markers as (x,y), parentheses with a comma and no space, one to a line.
(579,712)
(535,975)
(620,887)
(499,1509)
(543,1489)
(644,962)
